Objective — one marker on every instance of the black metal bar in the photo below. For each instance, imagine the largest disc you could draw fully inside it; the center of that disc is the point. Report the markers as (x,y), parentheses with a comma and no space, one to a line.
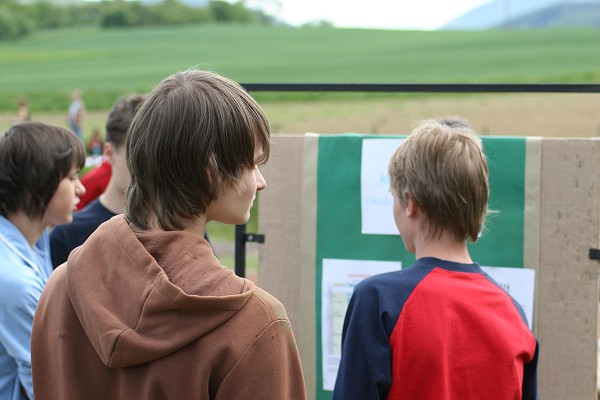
(426,87)
(254,237)
(240,250)
(240,230)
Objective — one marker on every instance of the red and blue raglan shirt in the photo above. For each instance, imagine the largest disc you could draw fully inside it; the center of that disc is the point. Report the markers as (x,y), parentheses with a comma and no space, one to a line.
(438,330)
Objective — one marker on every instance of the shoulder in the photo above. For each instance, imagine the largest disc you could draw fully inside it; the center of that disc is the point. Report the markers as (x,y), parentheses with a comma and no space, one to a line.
(65,233)
(93,211)
(395,281)
(10,264)
(382,297)
(271,306)
(57,279)
(83,225)
(89,218)
(18,282)
(505,295)
(54,294)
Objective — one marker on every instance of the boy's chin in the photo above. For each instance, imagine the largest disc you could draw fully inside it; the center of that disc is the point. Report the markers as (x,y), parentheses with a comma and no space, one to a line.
(65,221)
(242,220)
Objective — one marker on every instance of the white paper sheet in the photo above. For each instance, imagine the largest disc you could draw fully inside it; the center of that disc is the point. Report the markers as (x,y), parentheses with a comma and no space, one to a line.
(339,279)
(376,199)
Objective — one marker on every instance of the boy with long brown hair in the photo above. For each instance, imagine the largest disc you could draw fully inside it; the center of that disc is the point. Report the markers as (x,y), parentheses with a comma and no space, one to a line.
(143,309)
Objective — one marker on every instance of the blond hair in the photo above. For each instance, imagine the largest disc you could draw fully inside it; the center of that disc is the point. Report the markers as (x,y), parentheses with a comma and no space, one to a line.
(443,169)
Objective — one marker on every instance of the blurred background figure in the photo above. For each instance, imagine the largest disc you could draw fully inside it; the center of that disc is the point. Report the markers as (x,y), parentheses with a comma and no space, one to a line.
(455,121)
(95,144)
(76,114)
(31,199)
(23,113)
(97,179)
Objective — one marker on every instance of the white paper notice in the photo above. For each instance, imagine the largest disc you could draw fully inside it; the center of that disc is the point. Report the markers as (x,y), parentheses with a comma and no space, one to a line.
(376,199)
(339,279)
(519,283)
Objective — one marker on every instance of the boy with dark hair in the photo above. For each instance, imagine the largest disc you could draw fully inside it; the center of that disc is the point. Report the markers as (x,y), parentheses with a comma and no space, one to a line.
(39,187)
(96,181)
(143,309)
(441,329)
(65,238)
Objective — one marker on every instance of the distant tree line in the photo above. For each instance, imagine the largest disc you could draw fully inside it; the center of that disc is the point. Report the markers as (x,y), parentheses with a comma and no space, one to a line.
(18,19)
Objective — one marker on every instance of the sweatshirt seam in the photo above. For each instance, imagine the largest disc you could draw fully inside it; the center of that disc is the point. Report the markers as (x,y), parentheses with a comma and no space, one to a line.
(113,351)
(250,343)
(272,319)
(135,262)
(134,329)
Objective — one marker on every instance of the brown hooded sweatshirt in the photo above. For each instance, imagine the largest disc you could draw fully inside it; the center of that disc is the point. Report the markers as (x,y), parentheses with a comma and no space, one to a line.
(153,315)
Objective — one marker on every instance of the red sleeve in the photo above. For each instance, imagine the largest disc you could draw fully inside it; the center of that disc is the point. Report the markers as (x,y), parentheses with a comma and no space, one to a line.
(95,182)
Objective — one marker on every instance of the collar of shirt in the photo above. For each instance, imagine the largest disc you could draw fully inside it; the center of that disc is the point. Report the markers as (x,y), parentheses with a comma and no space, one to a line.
(37,258)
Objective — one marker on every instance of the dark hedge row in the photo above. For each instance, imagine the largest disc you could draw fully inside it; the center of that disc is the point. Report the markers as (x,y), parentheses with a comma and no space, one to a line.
(18,20)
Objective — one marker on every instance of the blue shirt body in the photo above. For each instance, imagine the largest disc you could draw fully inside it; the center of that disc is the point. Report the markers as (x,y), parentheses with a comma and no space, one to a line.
(23,274)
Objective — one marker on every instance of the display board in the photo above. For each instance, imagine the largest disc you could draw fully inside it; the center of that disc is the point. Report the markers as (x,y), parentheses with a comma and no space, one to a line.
(340,205)
(311,217)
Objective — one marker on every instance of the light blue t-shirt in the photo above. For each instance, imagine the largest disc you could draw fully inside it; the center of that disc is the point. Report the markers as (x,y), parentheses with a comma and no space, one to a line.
(23,274)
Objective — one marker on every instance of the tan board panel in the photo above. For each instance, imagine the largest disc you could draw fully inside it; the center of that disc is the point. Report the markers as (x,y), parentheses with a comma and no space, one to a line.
(567,281)
(281,257)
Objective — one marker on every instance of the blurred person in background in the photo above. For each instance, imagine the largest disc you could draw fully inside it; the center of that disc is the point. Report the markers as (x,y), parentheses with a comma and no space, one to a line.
(455,121)
(23,112)
(95,144)
(76,114)
(31,199)
(96,179)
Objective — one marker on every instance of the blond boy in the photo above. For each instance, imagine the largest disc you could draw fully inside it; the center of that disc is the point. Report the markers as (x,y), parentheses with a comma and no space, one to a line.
(441,329)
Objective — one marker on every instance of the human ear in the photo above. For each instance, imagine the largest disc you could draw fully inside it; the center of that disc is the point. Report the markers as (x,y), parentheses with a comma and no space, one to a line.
(109,152)
(411,207)
(211,169)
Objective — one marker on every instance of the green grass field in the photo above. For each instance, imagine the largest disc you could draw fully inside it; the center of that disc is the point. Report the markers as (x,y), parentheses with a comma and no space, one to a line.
(107,63)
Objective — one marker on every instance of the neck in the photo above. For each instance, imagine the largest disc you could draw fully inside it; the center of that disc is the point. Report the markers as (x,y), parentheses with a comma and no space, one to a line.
(113,198)
(444,247)
(31,229)
(195,226)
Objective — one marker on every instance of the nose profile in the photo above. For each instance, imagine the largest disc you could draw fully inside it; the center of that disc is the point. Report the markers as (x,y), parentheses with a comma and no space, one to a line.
(79,188)
(261,183)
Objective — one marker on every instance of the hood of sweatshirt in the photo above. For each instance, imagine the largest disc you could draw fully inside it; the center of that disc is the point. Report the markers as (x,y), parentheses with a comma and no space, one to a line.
(140,296)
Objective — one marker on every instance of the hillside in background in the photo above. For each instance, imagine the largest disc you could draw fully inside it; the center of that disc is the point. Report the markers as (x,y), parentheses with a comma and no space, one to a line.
(560,16)
(530,14)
